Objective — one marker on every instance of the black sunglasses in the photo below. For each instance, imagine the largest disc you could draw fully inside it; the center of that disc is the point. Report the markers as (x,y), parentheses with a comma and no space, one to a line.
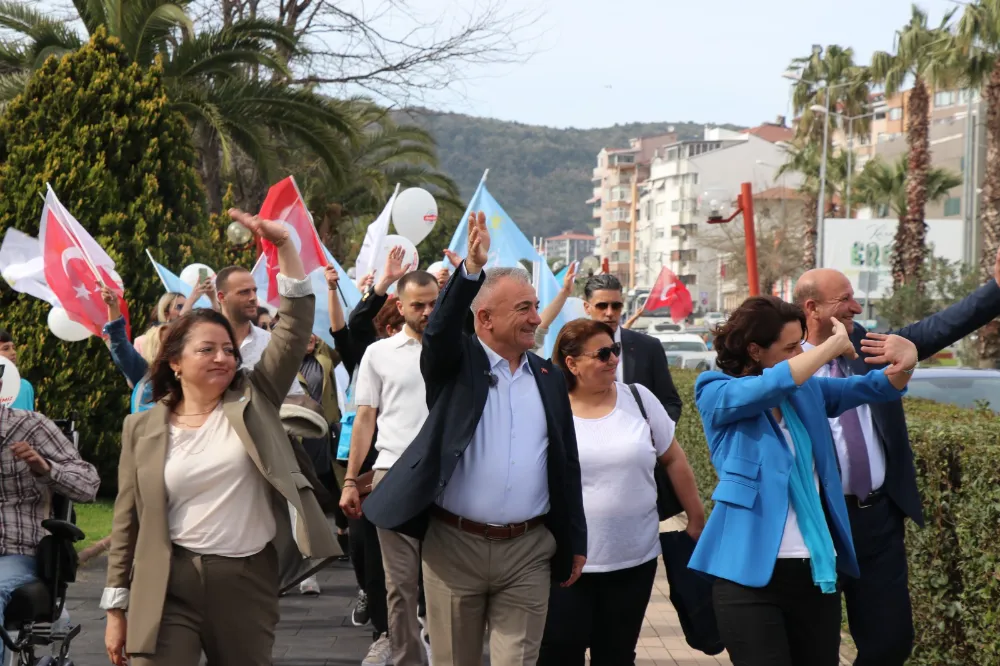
(604,353)
(615,306)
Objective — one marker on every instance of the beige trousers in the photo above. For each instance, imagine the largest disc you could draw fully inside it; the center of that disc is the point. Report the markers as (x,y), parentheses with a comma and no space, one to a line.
(226,607)
(401,561)
(469,581)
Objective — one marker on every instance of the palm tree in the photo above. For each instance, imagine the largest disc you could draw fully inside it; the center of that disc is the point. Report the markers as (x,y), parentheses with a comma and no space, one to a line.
(229,82)
(918,57)
(978,48)
(888,185)
(386,154)
(803,157)
(830,72)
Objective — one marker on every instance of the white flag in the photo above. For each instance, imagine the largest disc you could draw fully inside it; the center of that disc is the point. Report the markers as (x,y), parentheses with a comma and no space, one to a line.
(370,247)
(21,266)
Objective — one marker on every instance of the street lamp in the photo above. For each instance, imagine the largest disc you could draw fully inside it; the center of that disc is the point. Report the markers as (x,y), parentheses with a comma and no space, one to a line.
(816,108)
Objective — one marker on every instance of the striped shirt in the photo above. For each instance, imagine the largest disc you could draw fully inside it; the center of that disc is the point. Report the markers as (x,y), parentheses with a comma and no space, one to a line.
(25,499)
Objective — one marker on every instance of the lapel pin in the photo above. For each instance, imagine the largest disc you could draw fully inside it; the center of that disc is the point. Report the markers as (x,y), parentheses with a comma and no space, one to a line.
(545,371)
(243,398)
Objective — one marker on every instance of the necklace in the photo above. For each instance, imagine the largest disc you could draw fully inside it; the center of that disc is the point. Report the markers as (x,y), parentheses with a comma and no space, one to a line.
(207,411)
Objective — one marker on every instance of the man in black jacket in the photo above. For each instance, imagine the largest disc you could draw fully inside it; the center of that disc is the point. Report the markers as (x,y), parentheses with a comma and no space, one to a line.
(492,480)
(643,360)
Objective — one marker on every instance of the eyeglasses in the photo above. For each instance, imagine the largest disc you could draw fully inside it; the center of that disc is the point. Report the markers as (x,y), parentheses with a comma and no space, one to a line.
(604,353)
(615,306)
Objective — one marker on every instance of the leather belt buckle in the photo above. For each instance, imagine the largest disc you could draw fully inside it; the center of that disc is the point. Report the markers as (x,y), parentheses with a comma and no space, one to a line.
(495,526)
(869,501)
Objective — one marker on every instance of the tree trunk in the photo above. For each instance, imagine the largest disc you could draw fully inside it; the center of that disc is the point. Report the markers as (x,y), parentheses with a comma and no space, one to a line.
(988,345)
(810,232)
(211,170)
(914,248)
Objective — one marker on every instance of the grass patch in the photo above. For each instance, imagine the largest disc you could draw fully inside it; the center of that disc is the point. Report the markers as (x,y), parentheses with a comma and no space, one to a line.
(95,521)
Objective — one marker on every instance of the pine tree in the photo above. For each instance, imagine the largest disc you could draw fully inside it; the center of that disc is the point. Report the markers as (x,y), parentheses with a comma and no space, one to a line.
(99,130)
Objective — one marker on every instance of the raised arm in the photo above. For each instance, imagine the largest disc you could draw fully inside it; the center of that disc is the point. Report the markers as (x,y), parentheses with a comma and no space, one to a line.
(278,366)
(442,341)
(123,353)
(722,401)
(947,327)
(553,309)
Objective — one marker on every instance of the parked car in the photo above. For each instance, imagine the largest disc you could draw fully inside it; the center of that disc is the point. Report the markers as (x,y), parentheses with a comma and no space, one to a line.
(713,319)
(685,350)
(962,387)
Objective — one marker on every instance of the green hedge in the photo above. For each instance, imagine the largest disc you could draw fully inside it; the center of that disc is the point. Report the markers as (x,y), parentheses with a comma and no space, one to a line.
(955,559)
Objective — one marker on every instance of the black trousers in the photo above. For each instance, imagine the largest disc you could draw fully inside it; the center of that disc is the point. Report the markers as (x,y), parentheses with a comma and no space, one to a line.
(601,611)
(878,604)
(356,534)
(378,608)
(788,622)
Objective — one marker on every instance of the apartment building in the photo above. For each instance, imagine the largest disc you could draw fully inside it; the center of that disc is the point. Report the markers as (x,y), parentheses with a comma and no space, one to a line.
(671,229)
(570,246)
(617,174)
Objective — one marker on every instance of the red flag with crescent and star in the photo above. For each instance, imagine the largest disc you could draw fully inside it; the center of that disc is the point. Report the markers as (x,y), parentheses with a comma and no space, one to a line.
(670,292)
(284,203)
(76,267)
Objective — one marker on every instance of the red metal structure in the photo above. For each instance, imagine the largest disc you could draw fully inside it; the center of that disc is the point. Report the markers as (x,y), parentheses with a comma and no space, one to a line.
(744,205)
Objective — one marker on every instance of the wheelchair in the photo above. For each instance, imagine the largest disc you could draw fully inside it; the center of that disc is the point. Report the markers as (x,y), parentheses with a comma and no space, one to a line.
(31,621)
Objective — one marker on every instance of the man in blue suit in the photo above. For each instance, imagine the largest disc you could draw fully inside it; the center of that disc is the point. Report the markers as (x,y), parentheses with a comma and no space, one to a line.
(876,462)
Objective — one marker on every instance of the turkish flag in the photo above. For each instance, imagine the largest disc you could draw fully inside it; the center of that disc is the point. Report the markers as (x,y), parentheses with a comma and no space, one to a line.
(284,203)
(670,292)
(76,266)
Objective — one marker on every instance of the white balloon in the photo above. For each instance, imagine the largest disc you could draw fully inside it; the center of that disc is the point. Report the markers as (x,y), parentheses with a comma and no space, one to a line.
(435,267)
(414,214)
(573,309)
(10,385)
(189,275)
(389,242)
(65,328)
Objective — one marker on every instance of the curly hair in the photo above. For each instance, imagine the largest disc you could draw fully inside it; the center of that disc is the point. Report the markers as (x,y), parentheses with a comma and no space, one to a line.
(758,320)
(166,386)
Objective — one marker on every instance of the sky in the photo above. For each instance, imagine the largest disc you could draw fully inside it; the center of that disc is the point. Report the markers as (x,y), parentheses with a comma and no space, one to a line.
(596,63)
(602,63)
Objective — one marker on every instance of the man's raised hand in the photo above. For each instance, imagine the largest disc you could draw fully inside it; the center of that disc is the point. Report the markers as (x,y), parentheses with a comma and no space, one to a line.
(479,243)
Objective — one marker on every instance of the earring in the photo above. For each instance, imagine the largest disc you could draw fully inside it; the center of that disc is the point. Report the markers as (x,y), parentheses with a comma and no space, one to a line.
(177,375)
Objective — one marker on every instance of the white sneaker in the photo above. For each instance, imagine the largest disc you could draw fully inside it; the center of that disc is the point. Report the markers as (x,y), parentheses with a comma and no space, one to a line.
(310,586)
(380,653)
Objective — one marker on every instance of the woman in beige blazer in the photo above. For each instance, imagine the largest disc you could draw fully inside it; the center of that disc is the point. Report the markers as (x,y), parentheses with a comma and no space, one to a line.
(206,483)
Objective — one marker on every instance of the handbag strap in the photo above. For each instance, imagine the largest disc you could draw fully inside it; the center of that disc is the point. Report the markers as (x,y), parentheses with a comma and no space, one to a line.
(642,410)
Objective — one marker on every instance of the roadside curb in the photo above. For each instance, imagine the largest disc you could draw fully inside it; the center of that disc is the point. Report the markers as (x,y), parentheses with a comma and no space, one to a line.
(90,552)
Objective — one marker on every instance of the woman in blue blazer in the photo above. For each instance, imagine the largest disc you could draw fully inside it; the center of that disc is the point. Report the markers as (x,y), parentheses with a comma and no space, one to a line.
(779,531)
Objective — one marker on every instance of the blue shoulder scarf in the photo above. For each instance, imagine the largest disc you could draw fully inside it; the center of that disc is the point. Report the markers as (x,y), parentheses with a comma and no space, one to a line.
(808,506)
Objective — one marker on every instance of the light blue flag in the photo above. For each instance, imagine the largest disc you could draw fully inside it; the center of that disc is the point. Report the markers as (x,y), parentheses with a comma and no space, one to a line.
(508,245)
(348,294)
(174,284)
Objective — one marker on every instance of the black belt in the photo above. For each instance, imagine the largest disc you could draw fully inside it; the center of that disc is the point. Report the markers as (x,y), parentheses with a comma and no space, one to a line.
(874,497)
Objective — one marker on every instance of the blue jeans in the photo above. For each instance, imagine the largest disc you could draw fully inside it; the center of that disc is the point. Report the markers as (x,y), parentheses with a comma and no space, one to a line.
(15,571)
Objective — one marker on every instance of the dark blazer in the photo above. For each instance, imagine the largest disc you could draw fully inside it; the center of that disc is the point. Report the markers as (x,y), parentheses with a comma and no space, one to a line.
(930,336)
(456,372)
(646,363)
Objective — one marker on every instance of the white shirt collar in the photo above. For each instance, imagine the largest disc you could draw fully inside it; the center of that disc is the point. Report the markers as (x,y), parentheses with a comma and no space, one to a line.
(496,359)
(402,339)
(618,333)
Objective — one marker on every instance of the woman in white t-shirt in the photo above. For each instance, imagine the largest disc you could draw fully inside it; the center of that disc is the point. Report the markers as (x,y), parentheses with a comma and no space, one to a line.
(619,449)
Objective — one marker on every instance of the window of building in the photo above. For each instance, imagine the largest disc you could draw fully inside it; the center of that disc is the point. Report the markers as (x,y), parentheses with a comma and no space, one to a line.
(659,232)
(619,236)
(661,209)
(944,98)
(671,154)
(952,206)
(896,114)
(880,115)
(675,205)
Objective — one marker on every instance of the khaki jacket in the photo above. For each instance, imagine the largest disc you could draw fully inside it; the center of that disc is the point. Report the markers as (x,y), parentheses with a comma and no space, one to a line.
(140,553)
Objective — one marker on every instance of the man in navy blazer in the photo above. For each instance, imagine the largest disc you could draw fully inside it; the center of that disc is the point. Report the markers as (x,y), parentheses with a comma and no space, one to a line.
(876,461)
(491,482)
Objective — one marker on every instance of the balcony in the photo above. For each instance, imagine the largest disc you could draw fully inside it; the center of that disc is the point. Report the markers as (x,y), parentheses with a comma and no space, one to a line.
(597,175)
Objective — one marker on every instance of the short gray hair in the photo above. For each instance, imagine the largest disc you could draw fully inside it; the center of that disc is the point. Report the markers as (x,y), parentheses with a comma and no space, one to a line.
(493,276)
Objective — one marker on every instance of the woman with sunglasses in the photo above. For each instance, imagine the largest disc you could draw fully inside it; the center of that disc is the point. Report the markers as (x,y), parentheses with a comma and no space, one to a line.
(619,448)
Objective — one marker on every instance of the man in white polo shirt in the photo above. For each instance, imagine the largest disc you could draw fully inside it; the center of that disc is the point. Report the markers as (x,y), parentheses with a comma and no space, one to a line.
(390,394)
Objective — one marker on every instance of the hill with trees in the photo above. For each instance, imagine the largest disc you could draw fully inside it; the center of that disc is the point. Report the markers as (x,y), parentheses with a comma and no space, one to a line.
(540,175)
